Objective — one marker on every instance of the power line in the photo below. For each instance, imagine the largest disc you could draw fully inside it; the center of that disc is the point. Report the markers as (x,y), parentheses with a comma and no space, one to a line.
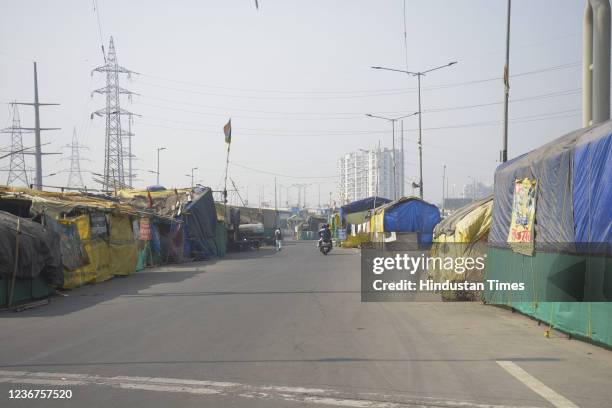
(96,10)
(357,94)
(327,132)
(353,115)
(280,174)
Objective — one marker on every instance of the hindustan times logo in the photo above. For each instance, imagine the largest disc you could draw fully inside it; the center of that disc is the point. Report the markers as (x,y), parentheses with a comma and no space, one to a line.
(412,264)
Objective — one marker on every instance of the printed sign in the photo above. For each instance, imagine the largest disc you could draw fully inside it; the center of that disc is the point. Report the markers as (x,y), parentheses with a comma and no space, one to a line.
(145,229)
(98,225)
(342,234)
(520,236)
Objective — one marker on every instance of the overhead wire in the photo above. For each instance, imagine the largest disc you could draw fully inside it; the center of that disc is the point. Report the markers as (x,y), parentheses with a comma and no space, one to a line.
(364,94)
(327,132)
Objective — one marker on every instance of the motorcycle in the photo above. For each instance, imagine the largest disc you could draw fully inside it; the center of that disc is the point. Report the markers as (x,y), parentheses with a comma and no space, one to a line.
(325,246)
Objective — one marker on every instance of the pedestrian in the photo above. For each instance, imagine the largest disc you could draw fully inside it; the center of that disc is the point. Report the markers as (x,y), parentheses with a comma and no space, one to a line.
(278,236)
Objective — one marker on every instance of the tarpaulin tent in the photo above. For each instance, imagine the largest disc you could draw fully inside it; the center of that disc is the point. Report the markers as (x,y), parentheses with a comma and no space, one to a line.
(556,201)
(192,209)
(407,215)
(463,234)
(355,216)
(39,250)
(95,240)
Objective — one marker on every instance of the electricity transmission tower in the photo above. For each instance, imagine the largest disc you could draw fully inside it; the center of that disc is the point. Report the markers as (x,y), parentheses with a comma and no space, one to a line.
(114,154)
(75,177)
(17,171)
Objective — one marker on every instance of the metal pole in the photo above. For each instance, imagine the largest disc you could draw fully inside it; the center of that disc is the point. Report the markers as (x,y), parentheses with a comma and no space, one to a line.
(393,156)
(601,61)
(39,180)
(158,166)
(504,153)
(420,144)
(587,66)
(16,264)
(443,182)
(402,183)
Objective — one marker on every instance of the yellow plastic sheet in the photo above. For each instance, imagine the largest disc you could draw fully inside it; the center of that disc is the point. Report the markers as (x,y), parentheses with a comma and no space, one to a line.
(469,240)
(123,250)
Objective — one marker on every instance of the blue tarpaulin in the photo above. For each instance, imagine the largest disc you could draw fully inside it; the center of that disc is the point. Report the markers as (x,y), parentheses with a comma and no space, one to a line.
(592,188)
(363,205)
(412,215)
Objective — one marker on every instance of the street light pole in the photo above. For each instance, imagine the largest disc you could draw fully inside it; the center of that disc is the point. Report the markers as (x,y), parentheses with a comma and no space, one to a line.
(158,150)
(394,165)
(192,169)
(419,74)
(393,120)
(443,183)
(504,153)
(420,143)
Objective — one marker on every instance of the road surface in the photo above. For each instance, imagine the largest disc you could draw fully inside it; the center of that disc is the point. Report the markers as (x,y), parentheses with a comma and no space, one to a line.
(267,329)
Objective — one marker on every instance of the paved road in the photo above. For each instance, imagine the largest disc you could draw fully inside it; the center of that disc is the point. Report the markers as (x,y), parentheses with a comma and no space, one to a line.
(266,329)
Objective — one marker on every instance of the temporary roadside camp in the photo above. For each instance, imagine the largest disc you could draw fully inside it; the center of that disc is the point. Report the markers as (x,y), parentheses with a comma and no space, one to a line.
(94,233)
(408,219)
(464,235)
(552,229)
(186,224)
(355,218)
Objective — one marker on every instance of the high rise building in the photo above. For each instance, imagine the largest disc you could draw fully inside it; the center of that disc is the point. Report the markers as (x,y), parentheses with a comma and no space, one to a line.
(367,173)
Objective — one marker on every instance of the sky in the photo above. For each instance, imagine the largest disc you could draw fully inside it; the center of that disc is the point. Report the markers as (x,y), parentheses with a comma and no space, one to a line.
(296,79)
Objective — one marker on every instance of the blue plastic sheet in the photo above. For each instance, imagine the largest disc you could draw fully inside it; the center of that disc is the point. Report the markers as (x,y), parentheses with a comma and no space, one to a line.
(412,215)
(362,205)
(592,192)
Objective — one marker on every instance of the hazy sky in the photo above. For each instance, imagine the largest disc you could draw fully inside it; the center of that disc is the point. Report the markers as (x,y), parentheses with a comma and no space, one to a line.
(295,77)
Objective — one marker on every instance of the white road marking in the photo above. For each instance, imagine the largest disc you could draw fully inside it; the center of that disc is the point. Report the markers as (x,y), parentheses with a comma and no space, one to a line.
(314,396)
(536,385)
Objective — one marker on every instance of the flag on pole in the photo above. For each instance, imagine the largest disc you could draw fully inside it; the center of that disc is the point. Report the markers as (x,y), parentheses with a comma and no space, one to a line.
(227,129)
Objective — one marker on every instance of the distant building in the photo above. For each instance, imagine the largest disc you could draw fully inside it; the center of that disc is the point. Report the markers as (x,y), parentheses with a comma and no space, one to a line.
(367,173)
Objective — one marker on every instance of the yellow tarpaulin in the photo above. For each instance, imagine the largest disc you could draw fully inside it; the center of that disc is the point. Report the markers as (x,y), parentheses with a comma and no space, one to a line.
(123,250)
(468,241)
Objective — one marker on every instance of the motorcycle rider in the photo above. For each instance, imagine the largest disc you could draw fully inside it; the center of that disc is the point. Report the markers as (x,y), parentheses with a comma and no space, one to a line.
(324,234)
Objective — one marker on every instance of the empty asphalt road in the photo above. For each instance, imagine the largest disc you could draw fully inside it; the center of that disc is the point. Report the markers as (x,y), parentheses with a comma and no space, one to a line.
(267,329)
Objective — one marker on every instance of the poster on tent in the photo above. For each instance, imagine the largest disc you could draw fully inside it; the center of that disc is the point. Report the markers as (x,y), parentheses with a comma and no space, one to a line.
(520,236)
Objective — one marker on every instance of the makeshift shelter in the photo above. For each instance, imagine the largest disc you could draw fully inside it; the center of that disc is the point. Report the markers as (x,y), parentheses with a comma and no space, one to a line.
(463,234)
(30,260)
(355,217)
(95,234)
(408,219)
(181,223)
(552,229)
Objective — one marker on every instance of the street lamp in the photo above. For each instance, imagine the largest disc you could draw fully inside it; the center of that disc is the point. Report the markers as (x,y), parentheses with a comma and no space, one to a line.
(393,120)
(192,169)
(419,75)
(159,149)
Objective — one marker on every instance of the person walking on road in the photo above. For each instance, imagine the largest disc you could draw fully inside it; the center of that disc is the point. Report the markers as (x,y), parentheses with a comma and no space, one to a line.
(278,236)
